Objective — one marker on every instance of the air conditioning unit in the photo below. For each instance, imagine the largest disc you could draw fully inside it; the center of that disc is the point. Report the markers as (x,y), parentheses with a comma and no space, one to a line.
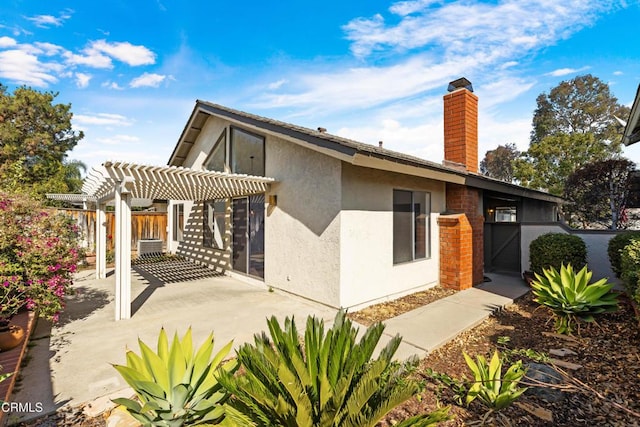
(148,247)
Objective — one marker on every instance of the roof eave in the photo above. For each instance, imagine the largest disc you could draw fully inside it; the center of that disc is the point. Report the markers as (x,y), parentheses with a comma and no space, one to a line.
(631,133)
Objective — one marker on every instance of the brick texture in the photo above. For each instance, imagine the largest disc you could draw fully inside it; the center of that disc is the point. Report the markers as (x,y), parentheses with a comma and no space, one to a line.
(461,238)
(461,128)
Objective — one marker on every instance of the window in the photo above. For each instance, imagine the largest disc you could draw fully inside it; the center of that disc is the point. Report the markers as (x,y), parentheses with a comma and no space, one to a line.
(214,224)
(505,214)
(217,159)
(178,222)
(411,225)
(247,153)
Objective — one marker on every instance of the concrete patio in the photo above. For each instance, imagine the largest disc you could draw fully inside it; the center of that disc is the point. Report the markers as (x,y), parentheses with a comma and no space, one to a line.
(70,364)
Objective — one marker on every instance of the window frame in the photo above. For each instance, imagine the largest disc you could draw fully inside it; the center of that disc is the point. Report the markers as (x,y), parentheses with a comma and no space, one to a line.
(416,196)
(231,149)
(220,142)
(178,222)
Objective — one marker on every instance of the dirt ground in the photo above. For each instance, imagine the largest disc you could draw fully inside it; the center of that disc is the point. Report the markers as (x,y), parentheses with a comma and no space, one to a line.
(603,391)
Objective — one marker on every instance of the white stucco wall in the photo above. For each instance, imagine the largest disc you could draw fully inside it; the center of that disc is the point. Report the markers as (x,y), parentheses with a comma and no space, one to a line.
(596,242)
(367,272)
(302,233)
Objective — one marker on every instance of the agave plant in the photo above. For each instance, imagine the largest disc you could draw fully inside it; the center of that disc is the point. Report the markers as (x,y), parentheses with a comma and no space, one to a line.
(329,380)
(571,298)
(495,390)
(176,386)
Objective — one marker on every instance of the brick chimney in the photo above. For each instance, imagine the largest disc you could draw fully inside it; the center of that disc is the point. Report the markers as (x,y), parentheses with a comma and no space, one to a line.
(461,125)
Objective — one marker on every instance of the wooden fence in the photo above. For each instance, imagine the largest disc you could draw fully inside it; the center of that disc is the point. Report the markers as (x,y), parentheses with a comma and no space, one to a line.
(144,225)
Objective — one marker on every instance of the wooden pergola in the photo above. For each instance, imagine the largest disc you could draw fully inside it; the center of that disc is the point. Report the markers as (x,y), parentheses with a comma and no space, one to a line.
(126,183)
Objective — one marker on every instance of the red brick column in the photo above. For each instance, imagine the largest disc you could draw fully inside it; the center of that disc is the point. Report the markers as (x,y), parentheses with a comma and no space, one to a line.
(456,254)
(465,200)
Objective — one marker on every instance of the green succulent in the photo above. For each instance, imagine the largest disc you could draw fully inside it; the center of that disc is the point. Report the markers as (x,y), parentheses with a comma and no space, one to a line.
(328,379)
(495,390)
(176,386)
(571,298)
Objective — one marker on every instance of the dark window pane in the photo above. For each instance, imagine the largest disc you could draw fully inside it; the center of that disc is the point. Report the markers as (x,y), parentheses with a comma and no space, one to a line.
(178,222)
(256,235)
(240,235)
(421,214)
(216,160)
(247,153)
(402,226)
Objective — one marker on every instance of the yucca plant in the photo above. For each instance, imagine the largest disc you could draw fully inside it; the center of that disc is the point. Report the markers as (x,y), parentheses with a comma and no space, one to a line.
(176,386)
(571,298)
(495,390)
(327,380)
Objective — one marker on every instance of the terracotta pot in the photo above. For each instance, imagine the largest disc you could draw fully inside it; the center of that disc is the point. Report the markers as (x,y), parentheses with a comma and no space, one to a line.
(11,338)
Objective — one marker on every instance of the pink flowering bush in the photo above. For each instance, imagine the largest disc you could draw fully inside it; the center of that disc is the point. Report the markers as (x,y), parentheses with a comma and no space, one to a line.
(39,252)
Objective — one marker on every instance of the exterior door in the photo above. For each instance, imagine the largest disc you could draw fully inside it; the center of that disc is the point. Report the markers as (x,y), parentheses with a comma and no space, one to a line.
(502,247)
(248,235)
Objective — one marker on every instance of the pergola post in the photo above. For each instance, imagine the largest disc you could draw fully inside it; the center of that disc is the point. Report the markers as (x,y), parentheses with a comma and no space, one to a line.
(101,241)
(123,251)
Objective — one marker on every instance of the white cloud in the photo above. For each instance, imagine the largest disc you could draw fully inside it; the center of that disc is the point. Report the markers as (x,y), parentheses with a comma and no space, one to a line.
(147,80)
(48,49)
(125,52)
(618,73)
(404,8)
(82,80)
(277,85)
(118,140)
(7,42)
(47,21)
(102,119)
(461,28)
(431,44)
(560,72)
(24,68)
(112,85)
(90,58)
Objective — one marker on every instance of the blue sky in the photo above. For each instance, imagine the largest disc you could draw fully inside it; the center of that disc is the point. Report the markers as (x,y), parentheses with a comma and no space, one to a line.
(368,70)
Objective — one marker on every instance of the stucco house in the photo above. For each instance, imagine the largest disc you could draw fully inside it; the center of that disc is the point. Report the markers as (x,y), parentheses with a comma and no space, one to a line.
(345,223)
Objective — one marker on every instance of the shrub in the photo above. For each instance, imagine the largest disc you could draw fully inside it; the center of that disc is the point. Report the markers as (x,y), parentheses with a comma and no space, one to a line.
(39,252)
(329,379)
(571,298)
(555,249)
(495,390)
(630,268)
(176,386)
(616,245)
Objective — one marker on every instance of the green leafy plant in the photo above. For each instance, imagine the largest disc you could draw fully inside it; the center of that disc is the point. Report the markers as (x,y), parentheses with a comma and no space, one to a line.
(459,388)
(556,249)
(39,252)
(495,390)
(328,379)
(630,268)
(176,386)
(571,298)
(615,247)
(509,354)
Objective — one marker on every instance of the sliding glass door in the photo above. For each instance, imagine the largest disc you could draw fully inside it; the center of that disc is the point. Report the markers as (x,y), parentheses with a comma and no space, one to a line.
(248,235)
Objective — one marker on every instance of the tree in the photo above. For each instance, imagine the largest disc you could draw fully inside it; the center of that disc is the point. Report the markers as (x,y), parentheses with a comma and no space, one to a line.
(548,163)
(581,105)
(597,193)
(35,138)
(498,163)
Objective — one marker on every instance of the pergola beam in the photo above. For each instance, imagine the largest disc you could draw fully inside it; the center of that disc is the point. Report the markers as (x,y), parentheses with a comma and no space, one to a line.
(127,182)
